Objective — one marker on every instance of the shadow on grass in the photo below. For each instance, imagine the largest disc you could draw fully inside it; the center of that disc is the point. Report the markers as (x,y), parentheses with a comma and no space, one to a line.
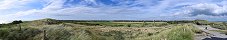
(215,38)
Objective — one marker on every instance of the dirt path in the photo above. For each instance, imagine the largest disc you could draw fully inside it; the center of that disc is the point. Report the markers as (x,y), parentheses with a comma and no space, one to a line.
(210,35)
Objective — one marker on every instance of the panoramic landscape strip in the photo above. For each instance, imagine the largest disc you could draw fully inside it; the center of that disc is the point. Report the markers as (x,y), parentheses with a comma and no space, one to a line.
(51,29)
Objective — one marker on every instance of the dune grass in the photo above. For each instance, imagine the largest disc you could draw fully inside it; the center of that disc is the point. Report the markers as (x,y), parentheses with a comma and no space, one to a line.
(56,31)
(176,33)
(65,33)
(219,25)
(125,24)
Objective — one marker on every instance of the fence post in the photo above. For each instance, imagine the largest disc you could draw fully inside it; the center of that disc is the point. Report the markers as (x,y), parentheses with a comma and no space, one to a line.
(20,31)
(19,27)
(44,35)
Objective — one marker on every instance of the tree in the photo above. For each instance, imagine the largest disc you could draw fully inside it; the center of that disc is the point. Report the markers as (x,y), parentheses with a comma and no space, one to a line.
(16,22)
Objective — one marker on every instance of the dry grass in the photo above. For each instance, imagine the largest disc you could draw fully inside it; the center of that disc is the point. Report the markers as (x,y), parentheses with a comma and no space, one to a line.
(70,31)
(180,32)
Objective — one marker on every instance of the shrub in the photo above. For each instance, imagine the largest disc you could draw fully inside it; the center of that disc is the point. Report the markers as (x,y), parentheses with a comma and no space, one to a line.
(129,25)
(149,34)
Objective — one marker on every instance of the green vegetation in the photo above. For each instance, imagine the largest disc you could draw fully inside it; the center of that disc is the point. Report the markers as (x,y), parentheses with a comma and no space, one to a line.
(16,34)
(176,33)
(50,29)
(16,22)
(47,21)
(201,22)
(124,24)
(53,30)
(219,25)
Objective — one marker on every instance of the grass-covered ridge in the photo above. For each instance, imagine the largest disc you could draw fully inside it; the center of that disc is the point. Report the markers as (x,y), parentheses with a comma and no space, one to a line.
(51,29)
(124,24)
(176,33)
(219,25)
(179,32)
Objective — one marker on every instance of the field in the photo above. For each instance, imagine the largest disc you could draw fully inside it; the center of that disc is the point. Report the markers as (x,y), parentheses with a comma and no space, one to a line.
(124,24)
(50,29)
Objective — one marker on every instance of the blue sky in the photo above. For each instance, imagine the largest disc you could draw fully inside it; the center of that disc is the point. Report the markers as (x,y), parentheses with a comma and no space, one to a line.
(212,10)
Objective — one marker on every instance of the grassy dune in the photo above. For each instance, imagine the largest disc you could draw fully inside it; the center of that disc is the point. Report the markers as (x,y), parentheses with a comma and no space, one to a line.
(60,32)
(176,33)
(52,30)
(180,32)
(219,25)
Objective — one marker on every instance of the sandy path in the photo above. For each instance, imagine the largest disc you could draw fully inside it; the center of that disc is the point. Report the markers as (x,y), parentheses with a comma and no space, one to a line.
(211,35)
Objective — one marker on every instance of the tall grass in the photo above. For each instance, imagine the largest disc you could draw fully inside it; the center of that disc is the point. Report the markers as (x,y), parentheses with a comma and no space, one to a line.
(176,33)
(125,24)
(222,26)
(16,34)
(55,31)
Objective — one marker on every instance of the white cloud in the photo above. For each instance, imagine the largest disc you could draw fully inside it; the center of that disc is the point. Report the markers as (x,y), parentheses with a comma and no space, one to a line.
(9,4)
(55,5)
(204,9)
(11,9)
(138,9)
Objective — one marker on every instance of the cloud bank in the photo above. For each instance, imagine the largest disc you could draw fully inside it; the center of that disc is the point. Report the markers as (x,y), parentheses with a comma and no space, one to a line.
(205,9)
(214,10)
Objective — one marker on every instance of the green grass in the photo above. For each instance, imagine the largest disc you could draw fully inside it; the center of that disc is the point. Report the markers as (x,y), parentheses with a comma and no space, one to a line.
(96,31)
(221,31)
(56,32)
(176,33)
(125,24)
(179,32)
(16,34)
(218,25)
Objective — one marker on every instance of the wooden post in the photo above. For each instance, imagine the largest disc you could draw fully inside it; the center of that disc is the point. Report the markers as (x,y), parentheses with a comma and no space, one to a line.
(153,23)
(20,27)
(44,35)
(20,31)
(143,24)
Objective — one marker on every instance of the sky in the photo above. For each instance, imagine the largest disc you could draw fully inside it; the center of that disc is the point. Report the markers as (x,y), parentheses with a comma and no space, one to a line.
(212,10)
